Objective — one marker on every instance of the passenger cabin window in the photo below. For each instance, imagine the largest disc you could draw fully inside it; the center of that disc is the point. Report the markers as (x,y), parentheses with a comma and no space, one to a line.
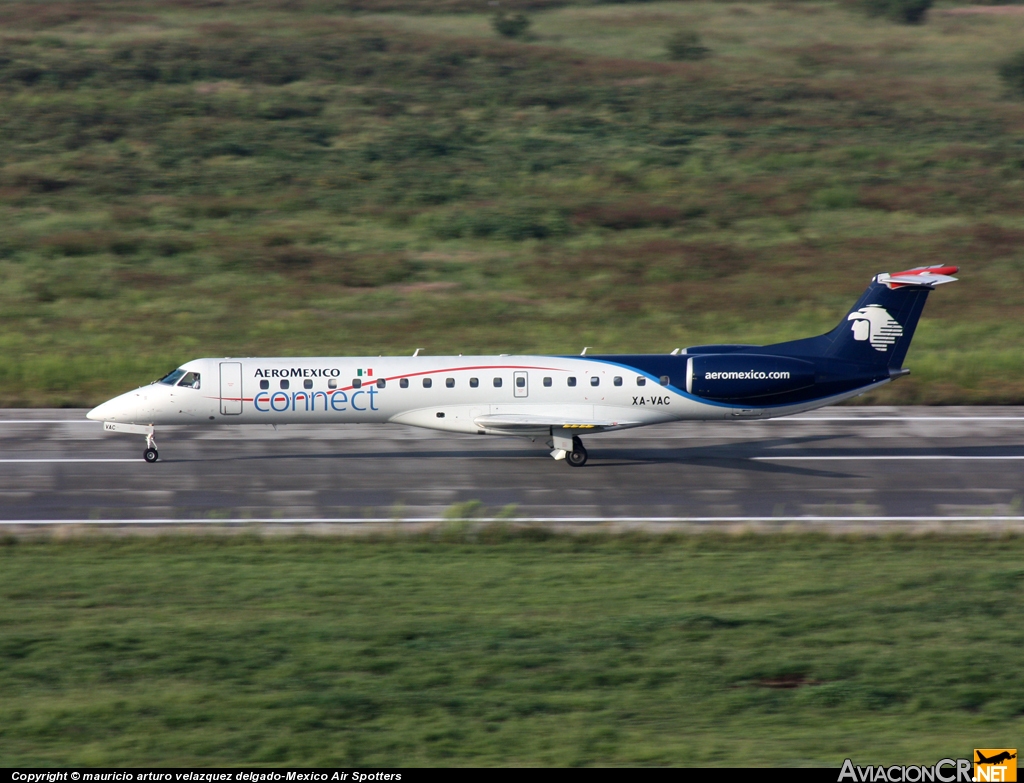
(381,383)
(427,383)
(284,384)
(190,381)
(497,383)
(264,384)
(595,381)
(547,381)
(357,383)
(521,382)
(641,380)
(307,384)
(172,377)
(449,382)
(664,380)
(332,383)
(404,383)
(617,380)
(572,381)
(474,382)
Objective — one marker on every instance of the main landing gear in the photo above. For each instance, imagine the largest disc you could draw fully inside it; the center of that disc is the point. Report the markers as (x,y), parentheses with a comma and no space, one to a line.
(150,454)
(578,456)
(569,448)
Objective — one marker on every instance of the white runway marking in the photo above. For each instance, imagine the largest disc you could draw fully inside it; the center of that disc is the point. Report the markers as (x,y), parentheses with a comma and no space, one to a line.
(514,520)
(795,457)
(893,418)
(72,459)
(49,421)
(892,457)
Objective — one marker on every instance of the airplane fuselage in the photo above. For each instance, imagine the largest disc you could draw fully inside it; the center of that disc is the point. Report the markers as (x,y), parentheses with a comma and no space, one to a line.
(467,394)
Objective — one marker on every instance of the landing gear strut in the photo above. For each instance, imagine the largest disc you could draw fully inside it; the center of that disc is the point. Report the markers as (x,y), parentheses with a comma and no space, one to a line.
(150,454)
(578,456)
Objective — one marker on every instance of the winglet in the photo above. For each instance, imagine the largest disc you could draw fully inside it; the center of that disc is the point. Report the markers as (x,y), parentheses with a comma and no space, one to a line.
(928,276)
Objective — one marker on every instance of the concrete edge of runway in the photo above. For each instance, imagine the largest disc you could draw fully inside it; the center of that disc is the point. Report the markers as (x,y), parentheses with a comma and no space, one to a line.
(993,526)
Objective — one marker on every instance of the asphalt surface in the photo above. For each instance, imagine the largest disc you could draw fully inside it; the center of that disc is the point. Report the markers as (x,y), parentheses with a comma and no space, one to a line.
(928,464)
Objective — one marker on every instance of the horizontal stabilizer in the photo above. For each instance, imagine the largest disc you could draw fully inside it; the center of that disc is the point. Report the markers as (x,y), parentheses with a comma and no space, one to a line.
(929,276)
(514,421)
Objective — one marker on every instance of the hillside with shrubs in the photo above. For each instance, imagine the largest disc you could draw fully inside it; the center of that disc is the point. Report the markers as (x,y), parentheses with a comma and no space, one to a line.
(198,179)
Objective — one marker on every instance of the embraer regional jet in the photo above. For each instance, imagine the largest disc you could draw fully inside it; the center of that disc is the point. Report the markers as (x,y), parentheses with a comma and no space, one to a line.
(552,398)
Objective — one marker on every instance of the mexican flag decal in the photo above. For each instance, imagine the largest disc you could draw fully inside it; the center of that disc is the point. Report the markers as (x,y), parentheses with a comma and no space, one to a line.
(364,373)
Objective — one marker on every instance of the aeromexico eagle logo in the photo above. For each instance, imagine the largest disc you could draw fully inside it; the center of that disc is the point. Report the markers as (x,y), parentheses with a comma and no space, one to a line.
(875,324)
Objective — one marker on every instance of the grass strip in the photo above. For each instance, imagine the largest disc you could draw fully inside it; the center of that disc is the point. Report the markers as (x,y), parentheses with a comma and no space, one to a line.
(512,649)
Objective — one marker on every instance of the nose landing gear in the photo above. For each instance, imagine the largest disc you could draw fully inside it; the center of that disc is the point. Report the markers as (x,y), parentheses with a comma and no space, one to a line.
(150,454)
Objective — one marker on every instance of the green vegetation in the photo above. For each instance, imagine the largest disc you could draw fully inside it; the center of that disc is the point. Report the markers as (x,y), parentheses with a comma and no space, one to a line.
(1012,73)
(370,177)
(536,650)
(685,45)
(510,26)
(906,11)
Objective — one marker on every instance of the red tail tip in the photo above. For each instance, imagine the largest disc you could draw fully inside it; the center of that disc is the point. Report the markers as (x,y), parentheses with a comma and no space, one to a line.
(934,270)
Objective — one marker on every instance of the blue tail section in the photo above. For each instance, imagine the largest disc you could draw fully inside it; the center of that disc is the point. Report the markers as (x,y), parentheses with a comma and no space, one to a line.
(878,329)
(867,348)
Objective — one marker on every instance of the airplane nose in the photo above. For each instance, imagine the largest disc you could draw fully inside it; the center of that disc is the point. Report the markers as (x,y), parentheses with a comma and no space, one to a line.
(118,409)
(101,412)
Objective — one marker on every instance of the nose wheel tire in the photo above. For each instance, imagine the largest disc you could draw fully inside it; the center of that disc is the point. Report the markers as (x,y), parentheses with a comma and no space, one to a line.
(151,455)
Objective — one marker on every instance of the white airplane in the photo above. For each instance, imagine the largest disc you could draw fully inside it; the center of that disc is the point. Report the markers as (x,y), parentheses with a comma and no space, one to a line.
(553,398)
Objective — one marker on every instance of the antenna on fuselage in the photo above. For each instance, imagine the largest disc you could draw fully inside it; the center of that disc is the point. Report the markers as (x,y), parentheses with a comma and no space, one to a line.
(417,352)
(675,352)
(584,353)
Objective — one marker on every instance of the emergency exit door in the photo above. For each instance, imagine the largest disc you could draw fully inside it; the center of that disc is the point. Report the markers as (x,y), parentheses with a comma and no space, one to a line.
(230,388)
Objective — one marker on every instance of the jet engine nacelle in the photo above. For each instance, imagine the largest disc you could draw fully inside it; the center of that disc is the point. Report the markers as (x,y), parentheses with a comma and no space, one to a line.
(739,376)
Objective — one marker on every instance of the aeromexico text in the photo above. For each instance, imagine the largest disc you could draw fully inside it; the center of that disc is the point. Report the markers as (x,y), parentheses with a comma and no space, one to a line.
(299,372)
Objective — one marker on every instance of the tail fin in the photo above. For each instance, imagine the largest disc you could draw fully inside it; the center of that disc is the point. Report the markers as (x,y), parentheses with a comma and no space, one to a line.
(879,327)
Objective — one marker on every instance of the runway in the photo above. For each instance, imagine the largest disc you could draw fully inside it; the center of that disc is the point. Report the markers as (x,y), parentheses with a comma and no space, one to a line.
(841,465)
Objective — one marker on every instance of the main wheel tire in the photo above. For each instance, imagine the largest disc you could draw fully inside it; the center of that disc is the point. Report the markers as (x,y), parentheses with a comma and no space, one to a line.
(151,455)
(577,457)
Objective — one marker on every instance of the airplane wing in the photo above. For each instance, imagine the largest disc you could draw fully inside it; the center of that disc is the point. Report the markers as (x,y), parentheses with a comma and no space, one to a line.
(516,421)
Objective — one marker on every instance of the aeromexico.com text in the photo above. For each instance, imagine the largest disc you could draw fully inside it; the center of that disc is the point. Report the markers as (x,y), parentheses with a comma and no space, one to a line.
(749,375)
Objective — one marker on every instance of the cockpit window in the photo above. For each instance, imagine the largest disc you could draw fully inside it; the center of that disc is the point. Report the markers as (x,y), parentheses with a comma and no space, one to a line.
(190,381)
(172,377)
